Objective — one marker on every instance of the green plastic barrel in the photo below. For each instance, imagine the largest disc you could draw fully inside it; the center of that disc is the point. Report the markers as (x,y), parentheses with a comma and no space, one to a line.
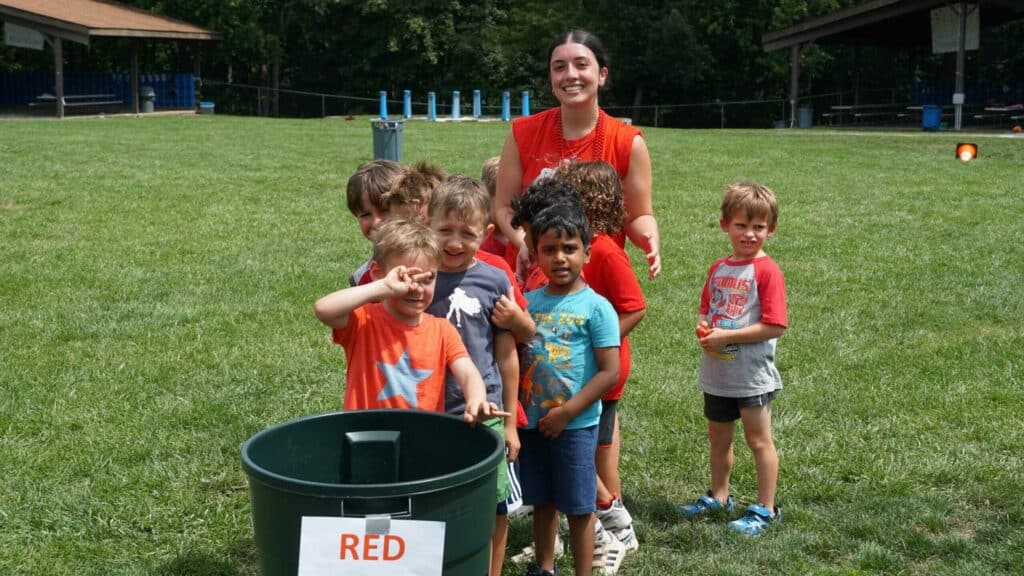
(403,463)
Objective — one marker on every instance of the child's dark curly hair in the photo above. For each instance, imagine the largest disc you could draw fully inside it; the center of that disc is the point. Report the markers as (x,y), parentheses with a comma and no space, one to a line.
(541,194)
(601,192)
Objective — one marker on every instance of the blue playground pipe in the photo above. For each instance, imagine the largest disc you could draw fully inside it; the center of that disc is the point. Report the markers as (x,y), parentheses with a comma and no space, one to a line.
(407,103)
(526,102)
(456,113)
(506,106)
(476,103)
(432,106)
(383,105)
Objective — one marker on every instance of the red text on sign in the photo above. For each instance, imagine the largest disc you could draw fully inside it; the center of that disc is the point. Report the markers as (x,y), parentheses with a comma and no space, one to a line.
(372,547)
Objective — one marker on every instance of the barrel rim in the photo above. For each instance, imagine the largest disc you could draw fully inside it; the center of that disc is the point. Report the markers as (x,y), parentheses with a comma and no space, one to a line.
(356,491)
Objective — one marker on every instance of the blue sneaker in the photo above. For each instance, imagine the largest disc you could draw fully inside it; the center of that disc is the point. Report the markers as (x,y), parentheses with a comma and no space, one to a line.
(756,520)
(706,504)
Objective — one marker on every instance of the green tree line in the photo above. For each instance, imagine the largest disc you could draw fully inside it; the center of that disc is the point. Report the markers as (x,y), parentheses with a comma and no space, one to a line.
(662,51)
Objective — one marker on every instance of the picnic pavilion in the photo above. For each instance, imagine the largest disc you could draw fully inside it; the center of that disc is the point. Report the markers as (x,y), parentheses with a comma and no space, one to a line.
(897,23)
(31,23)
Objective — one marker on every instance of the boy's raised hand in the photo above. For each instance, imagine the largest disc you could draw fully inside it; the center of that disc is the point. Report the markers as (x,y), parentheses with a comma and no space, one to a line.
(401,280)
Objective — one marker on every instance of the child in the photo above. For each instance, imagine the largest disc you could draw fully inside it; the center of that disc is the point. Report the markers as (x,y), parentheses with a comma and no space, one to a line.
(397,355)
(538,196)
(569,365)
(364,196)
(610,274)
(496,242)
(409,196)
(742,314)
(466,293)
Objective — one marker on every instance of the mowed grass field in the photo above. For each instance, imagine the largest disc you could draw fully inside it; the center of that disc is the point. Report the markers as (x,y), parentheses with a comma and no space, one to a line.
(157,277)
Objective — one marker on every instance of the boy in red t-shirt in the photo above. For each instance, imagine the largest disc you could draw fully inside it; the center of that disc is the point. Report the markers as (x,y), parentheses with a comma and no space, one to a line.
(396,354)
(365,197)
(742,315)
(496,242)
(610,274)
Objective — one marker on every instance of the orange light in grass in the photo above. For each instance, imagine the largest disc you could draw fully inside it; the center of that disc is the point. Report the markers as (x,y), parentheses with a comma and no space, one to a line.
(966,151)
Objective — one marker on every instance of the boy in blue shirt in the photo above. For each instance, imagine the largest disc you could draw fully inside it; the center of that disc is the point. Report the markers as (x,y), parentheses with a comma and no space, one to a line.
(569,364)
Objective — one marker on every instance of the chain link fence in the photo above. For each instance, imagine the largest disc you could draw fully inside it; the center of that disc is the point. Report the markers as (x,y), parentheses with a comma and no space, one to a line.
(835,108)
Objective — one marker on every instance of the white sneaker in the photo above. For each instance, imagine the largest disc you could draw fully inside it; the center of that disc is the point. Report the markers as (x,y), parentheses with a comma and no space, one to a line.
(529,554)
(608,551)
(617,520)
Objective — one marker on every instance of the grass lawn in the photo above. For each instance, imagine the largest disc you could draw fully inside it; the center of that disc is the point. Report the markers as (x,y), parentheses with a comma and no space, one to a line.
(156,286)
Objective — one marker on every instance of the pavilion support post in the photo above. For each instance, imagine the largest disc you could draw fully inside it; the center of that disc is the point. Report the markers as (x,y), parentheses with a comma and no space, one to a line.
(794,83)
(135,76)
(961,50)
(58,74)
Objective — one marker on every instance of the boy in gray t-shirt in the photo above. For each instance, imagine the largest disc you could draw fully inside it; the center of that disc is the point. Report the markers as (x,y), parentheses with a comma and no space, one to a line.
(742,314)
(466,293)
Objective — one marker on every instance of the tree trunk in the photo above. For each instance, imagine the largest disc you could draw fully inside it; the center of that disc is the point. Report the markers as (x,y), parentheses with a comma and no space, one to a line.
(638,100)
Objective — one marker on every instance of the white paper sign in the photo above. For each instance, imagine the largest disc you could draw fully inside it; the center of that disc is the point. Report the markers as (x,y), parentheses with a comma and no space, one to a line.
(946,28)
(332,546)
(22,37)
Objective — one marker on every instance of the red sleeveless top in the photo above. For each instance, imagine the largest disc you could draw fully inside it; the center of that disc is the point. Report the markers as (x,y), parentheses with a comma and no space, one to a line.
(542,146)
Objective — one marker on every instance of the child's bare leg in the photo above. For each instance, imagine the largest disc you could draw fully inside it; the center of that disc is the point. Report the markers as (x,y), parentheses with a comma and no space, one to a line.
(609,483)
(720,435)
(757,427)
(581,539)
(498,541)
(545,525)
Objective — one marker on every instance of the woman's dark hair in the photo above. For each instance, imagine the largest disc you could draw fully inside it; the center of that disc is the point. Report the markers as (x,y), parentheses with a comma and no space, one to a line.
(565,218)
(580,36)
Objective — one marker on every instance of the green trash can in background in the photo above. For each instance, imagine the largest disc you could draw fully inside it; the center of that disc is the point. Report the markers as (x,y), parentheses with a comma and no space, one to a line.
(147,97)
(387,139)
(404,464)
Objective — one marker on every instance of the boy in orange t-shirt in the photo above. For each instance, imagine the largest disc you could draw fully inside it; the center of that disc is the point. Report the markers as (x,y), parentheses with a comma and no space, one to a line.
(396,354)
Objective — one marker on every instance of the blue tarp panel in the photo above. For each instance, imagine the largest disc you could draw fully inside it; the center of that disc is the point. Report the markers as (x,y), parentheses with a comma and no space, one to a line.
(172,90)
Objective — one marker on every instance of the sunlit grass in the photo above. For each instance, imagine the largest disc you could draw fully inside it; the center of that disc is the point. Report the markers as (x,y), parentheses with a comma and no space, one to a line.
(157,283)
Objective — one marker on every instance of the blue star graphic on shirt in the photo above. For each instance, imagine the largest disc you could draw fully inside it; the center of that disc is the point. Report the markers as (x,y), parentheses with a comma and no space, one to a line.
(401,379)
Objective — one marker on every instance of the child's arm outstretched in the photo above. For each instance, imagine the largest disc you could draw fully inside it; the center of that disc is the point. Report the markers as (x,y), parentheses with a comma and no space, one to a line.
(478,408)
(552,424)
(508,367)
(335,308)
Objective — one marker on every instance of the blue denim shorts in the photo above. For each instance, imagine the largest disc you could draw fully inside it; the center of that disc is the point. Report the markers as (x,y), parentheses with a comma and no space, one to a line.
(559,470)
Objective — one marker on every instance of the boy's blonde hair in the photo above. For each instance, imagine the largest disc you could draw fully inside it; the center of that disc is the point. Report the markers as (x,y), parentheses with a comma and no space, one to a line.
(375,178)
(489,175)
(600,194)
(401,237)
(753,199)
(463,196)
(416,185)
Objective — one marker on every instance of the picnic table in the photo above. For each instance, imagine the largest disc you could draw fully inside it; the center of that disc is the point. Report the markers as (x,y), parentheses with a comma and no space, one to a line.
(862,112)
(79,100)
(998,114)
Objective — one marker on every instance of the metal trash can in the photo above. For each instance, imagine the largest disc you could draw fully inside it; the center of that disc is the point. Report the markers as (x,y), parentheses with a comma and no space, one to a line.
(805,117)
(387,139)
(147,96)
